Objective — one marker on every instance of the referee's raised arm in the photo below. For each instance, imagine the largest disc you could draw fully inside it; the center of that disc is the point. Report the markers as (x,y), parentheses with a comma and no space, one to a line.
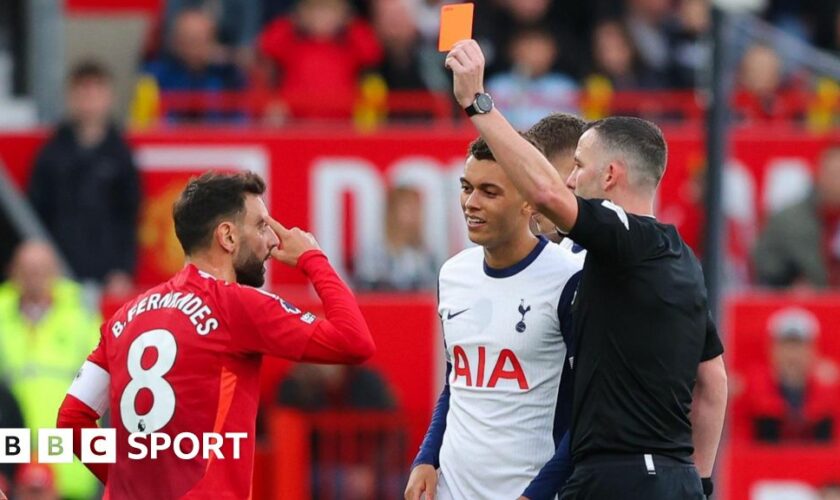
(527,168)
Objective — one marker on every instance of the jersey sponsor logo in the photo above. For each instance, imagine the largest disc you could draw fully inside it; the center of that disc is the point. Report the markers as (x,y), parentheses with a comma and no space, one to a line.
(451,315)
(308,318)
(622,215)
(521,326)
(506,367)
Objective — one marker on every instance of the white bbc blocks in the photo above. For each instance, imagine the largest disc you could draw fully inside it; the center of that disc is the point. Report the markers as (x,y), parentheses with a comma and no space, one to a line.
(15,446)
(99,446)
(55,446)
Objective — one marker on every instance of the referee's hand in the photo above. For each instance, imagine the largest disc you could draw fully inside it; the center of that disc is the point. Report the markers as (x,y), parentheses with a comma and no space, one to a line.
(467,64)
(423,479)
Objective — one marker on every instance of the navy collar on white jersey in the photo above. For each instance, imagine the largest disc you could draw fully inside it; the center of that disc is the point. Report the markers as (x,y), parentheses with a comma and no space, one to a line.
(507,272)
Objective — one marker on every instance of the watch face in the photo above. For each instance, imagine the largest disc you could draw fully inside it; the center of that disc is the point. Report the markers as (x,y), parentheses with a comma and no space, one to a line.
(484,103)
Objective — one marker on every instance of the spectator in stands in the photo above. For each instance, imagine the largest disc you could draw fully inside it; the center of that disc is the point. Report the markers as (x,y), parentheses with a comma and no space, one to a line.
(615,60)
(793,401)
(690,47)
(532,89)
(35,481)
(398,34)
(85,186)
(760,80)
(647,25)
(192,65)
(47,333)
(498,22)
(800,245)
(405,263)
(237,25)
(319,52)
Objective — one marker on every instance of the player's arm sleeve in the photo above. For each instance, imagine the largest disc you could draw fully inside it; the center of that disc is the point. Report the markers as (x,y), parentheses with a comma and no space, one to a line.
(86,401)
(273,326)
(430,448)
(606,231)
(712,346)
(553,475)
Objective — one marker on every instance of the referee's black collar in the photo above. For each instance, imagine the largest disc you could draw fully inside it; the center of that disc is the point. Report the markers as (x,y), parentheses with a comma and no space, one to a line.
(507,272)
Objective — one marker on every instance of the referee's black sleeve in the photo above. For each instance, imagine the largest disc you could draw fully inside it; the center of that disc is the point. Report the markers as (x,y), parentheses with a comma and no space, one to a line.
(606,231)
(712,347)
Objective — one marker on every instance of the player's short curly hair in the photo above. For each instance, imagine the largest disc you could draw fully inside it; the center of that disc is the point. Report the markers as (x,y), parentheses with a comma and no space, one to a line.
(208,200)
(557,133)
(479,149)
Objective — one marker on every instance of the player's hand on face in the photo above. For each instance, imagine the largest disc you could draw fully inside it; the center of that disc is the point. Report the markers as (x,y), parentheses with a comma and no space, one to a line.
(294,242)
(423,479)
(467,64)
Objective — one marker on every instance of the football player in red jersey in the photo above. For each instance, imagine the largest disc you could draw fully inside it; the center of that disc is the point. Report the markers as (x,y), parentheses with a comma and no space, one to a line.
(183,358)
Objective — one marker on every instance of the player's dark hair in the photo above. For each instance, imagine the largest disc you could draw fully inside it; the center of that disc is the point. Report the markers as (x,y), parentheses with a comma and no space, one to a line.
(481,151)
(88,69)
(557,133)
(639,141)
(208,200)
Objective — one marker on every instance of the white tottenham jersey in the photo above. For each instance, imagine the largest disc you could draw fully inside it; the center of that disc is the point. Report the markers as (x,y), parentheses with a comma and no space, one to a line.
(503,341)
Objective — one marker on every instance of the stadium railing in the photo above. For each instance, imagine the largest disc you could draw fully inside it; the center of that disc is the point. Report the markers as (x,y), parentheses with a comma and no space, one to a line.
(677,106)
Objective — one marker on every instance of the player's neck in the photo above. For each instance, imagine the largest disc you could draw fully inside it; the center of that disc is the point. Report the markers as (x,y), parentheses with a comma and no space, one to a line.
(217,266)
(506,255)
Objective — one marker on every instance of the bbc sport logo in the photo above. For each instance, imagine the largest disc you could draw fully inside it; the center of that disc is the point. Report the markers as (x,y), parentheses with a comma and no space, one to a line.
(100,445)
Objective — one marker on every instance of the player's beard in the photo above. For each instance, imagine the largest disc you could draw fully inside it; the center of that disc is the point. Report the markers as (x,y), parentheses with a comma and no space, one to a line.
(250,270)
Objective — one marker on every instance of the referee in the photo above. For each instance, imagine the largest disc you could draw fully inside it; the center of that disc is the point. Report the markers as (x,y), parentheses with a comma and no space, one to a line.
(650,385)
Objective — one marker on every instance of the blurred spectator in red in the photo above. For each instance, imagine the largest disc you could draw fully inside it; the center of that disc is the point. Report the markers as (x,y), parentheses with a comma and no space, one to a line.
(319,53)
(615,59)
(405,263)
(192,65)
(237,25)
(800,244)
(400,39)
(690,47)
(794,401)
(35,481)
(85,185)
(532,88)
(760,82)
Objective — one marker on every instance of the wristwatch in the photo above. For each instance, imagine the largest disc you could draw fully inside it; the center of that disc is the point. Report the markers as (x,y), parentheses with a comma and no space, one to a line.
(482,104)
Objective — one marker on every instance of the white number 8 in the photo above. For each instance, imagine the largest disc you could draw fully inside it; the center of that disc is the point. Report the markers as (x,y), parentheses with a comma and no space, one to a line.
(163,407)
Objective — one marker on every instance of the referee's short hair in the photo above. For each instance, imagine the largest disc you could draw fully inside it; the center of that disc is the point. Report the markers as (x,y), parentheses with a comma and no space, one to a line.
(557,133)
(639,142)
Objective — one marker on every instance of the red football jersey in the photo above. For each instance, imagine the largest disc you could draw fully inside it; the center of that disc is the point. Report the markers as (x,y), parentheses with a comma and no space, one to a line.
(184,357)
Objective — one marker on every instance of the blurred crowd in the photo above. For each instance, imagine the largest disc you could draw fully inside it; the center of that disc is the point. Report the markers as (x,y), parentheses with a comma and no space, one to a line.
(339,59)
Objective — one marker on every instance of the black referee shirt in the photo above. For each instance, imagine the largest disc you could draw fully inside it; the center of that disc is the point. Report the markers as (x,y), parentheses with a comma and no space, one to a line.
(643,327)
